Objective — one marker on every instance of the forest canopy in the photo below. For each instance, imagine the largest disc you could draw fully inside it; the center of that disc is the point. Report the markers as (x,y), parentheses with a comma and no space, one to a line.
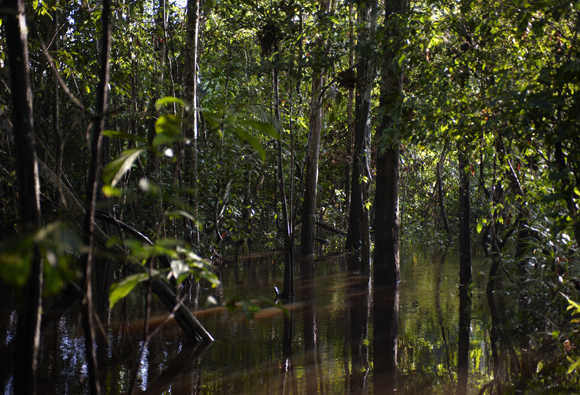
(174,134)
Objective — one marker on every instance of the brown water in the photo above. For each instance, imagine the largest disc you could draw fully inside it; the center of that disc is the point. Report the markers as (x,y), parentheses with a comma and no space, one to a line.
(324,344)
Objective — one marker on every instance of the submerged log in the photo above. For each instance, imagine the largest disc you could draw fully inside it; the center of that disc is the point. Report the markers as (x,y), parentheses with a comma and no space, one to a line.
(183,316)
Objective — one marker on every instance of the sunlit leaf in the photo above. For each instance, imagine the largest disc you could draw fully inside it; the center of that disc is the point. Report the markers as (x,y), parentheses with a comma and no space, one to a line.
(121,289)
(169,124)
(116,169)
(168,100)
(179,270)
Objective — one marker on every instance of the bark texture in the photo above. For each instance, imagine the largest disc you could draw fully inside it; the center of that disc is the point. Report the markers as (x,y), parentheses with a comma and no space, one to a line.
(92,189)
(312,154)
(29,312)
(358,227)
(386,226)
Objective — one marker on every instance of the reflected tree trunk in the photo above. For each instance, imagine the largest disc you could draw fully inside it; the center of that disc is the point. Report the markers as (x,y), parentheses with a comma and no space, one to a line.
(358,320)
(385,338)
(463,342)
(287,377)
(309,324)
(29,318)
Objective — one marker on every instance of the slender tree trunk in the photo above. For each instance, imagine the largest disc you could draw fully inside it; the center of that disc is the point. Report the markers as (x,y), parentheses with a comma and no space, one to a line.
(440,190)
(29,312)
(288,291)
(160,49)
(567,188)
(464,273)
(191,132)
(386,226)
(313,150)
(89,226)
(358,229)
(464,222)
(349,112)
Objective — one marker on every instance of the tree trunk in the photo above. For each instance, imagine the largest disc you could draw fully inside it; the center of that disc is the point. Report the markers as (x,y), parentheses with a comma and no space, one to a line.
(464,273)
(160,49)
(191,131)
(358,216)
(313,150)
(386,226)
(440,189)
(29,318)
(567,188)
(288,231)
(92,187)
(350,115)
(464,222)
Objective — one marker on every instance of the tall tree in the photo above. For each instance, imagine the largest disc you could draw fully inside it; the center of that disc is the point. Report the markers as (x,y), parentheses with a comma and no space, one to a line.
(358,227)
(92,186)
(28,326)
(464,271)
(313,148)
(191,130)
(386,226)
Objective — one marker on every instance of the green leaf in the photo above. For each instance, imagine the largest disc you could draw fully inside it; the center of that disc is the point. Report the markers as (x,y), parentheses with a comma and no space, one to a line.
(479,227)
(573,367)
(110,191)
(242,135)
(168,100)
(119,135)
(15,260)
(164,138)
(544,105)
(123,288)
(554,197)
(169,124)
(179,270)
(116,169)
(263,127)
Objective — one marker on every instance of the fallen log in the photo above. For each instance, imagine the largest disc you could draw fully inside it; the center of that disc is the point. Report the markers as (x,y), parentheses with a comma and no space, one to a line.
(330,228)
(74,217)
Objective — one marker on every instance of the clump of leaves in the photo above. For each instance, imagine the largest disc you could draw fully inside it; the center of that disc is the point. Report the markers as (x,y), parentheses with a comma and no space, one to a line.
(57,246)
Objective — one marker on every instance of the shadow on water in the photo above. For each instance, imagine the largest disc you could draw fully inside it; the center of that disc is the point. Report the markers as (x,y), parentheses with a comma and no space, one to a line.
(340,335)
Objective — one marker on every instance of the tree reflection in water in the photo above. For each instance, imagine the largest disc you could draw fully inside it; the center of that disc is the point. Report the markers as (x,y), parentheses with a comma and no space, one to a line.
(341,335)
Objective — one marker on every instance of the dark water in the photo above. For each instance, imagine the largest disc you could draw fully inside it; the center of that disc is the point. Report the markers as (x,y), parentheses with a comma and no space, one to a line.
(326,343)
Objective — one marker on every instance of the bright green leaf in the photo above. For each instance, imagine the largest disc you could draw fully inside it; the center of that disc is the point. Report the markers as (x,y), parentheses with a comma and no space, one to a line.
(123,288)
(116,169)
(169,124)
(168,100)
(164,138)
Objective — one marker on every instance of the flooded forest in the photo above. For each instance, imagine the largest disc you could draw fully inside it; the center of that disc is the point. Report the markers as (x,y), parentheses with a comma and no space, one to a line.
(289,197)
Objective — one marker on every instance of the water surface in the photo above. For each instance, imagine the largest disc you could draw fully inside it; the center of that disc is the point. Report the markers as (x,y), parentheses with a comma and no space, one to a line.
(322,343)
